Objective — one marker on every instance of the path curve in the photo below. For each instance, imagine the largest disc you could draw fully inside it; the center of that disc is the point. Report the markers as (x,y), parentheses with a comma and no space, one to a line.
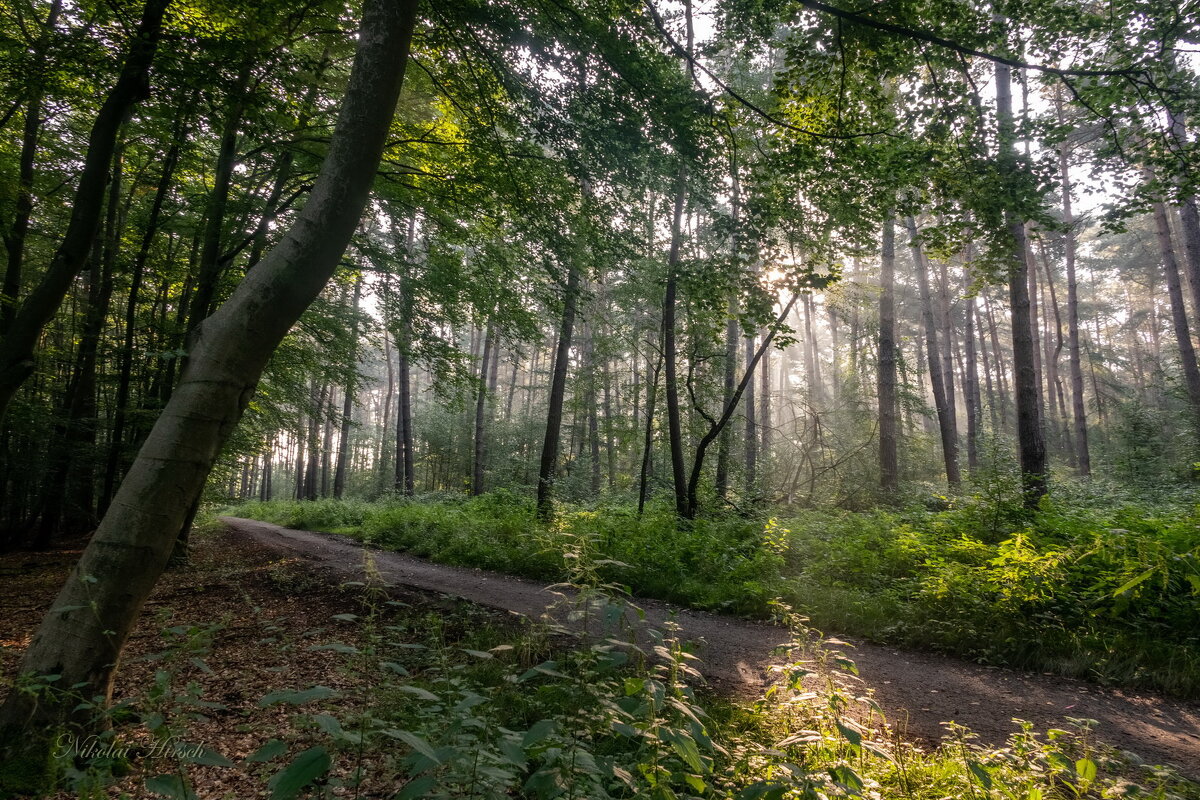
(917,690)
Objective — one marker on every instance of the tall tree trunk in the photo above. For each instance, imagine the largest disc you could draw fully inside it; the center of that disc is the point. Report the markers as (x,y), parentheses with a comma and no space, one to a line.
(1031,440)
(481,394)
(99,604)
(971,393)
(751,436)
(14,240)
(68,500)
(21,338)
(731,358)
(993,404)
(211,263)
(558,386)
(889,477)
(1183,336)
(266,490)
(116,448)
(383,461)
(674,423)
(764,411)
(812,369)
(730,407)
(1053,357)
(648,441)
(1189,217)
(947,424)
(343,461)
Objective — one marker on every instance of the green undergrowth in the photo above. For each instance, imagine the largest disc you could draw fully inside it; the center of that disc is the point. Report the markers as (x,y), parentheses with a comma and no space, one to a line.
(1091,585)
(449,703)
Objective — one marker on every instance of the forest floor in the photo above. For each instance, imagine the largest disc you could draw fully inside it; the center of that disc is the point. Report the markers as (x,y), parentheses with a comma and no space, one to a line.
(919,691)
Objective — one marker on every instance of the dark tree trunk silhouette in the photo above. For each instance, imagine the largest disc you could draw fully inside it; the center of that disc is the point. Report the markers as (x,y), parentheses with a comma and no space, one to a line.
(548,465)
(1030,438)
(674,423)
(889,477)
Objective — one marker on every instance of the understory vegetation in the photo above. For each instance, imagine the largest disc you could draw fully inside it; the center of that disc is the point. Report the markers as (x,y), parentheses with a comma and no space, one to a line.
(1095,583)
(421,699)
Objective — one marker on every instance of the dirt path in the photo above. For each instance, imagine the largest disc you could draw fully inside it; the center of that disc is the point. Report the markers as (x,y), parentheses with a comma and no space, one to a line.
(918,690)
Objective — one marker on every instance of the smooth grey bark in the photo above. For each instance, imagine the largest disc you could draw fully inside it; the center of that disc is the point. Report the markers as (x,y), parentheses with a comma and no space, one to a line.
(82,640)
(25,328)
(889,463)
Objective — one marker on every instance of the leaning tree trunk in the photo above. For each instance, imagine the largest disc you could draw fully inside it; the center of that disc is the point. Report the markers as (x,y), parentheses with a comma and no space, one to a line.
(25,328)
(83,638)
(889,463)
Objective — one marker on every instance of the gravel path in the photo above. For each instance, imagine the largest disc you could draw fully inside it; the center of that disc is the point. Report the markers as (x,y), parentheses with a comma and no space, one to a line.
(918,690)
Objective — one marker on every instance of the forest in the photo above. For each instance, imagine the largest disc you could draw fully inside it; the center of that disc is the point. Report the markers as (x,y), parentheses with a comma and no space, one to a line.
(600,398)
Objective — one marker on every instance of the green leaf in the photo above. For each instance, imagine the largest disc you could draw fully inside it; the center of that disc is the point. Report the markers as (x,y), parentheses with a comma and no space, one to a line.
(171,786)
(1086,769)
(306,768)
(537,732)
(850,735)
(416,788)
(478,653)
(685,747)
(419,745)
(847,779)
(201,754)
(419,693)
(981,774)
(271,750)
(1134,582)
